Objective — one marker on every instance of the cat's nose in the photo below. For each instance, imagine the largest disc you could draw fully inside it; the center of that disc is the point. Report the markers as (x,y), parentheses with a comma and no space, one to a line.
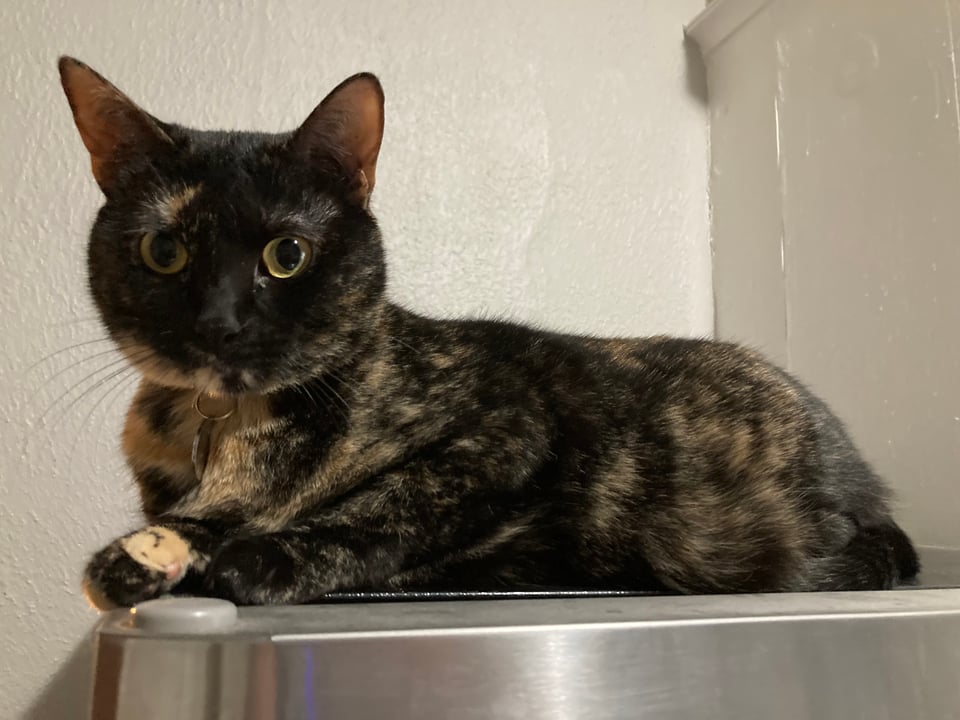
(220,330)
(217,321)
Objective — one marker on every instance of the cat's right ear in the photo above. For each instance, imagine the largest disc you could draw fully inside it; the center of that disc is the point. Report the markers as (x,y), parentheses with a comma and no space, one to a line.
(113,128)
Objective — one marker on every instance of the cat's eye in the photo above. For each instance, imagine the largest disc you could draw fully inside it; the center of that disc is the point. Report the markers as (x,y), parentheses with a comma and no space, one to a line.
(285,257)
(163,253)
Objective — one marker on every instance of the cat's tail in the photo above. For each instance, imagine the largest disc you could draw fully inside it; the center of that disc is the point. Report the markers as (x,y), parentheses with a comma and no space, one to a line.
(878,557)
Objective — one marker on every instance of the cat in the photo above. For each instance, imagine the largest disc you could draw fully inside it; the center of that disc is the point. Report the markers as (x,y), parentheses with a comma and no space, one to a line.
(296,433)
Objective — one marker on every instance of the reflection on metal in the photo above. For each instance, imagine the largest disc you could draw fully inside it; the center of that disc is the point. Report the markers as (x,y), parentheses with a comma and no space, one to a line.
(791,657)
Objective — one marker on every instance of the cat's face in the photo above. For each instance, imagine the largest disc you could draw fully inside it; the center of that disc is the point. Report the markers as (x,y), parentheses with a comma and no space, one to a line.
(233,262)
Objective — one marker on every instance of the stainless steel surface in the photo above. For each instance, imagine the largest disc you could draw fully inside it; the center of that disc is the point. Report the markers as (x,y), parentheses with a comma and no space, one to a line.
(791,657)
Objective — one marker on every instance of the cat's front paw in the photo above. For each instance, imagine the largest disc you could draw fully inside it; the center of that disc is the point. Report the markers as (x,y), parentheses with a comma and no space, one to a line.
(256,570)
(140,566)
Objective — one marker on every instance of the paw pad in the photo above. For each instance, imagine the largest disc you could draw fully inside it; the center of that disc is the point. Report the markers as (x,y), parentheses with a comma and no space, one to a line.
(159,549)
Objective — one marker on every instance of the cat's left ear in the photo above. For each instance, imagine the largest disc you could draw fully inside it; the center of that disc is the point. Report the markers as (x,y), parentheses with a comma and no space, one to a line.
(347,127)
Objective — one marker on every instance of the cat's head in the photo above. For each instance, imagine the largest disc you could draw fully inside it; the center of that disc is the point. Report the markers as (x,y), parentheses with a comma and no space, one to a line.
(234,262)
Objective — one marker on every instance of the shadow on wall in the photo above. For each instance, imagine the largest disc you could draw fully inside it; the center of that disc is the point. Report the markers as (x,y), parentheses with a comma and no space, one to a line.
(696,71)
(68,692)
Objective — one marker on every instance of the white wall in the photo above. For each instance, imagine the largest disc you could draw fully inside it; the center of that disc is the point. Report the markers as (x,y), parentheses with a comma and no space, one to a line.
(543,160)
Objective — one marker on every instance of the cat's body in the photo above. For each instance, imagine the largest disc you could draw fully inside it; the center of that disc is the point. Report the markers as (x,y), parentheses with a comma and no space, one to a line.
(370,448)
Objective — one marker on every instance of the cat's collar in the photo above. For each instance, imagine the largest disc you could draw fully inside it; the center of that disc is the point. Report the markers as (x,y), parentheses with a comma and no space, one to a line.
(214,407)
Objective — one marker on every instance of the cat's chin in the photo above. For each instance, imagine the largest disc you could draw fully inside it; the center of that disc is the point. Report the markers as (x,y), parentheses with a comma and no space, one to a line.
(217,380)
(227,385)
(224,381)
(236,382)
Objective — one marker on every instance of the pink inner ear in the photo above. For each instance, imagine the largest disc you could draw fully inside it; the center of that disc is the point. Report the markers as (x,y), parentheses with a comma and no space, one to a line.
(349,124)
(364,103)
(86,94)
(110,124)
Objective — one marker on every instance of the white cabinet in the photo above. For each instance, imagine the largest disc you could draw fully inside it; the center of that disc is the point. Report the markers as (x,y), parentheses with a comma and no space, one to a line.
(835,194)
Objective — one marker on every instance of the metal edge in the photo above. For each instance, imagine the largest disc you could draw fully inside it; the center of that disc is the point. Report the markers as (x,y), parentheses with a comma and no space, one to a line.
(533,615)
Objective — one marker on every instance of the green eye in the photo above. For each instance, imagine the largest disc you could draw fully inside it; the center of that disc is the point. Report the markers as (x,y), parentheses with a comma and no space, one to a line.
(285,257)
(163,253)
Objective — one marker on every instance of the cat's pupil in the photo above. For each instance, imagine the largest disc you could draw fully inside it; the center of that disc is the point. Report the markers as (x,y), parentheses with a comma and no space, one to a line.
(288,254)
(163,250)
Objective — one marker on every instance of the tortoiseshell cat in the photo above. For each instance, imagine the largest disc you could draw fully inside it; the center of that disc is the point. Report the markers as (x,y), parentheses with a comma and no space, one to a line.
(366,447)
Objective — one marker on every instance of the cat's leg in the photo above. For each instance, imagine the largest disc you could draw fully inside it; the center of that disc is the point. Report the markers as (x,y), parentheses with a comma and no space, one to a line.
(147,563)
(411,517)
(298,565)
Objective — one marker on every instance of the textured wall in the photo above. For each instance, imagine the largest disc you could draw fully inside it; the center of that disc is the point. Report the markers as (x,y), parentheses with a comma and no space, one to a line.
(543,160)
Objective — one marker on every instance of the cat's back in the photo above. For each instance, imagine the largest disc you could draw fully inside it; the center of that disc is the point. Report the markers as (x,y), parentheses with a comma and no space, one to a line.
(725,412)
(697,377)
(682,361)
(598,376)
